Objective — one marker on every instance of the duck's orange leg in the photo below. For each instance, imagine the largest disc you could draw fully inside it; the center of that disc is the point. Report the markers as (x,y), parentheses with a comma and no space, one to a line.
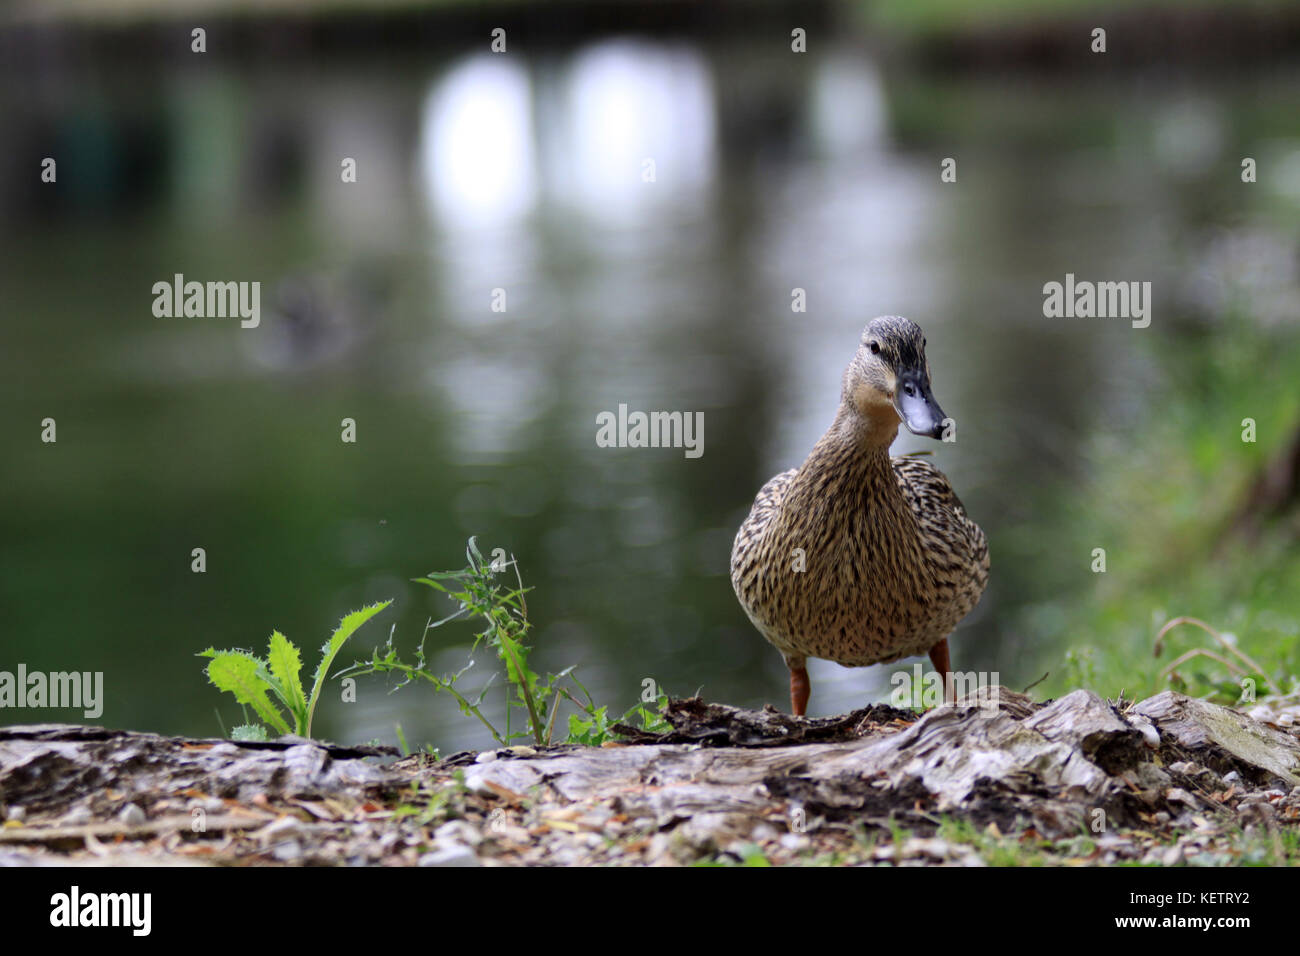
(800,687)
(939,658)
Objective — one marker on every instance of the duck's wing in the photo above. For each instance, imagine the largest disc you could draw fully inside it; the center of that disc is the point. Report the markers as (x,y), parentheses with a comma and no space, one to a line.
(766,504)
(925,486)
(952,539)
(749,551)
(767,501)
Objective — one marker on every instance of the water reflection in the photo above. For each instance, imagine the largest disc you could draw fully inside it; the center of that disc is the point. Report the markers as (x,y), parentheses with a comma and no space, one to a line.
(637,128)
(527,174)
(476,154)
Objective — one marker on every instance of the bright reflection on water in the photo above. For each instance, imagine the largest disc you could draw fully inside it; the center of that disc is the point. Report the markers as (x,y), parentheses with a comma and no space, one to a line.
(637,127)
(476,152)
(646,210)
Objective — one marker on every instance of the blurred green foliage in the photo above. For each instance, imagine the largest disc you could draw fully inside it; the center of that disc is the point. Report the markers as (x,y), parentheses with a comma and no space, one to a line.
(1168,510)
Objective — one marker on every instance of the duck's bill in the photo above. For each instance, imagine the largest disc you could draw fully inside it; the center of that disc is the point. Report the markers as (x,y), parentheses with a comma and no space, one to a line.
(918,410)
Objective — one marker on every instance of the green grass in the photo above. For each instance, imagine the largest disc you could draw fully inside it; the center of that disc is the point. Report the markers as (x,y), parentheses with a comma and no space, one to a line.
(935,17)
(500,612)
(481,592)
(1164,508)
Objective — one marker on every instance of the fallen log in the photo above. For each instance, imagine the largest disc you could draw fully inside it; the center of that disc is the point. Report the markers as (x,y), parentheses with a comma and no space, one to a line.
(721,780)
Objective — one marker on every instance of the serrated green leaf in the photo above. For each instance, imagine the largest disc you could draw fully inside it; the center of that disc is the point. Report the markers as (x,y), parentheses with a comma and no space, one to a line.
(578,727)
(284,662)
(236,673)
(280,693)
(347,627)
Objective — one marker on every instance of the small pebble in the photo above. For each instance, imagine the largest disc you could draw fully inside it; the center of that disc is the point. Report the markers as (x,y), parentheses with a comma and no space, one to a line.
(794,842)
(280,827)
(450,856)
(288,851)
(458,831)
(132,815)
(1149,733)
(764,832)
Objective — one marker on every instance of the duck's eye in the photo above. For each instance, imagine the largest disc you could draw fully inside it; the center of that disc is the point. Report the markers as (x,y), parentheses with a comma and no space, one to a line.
(875,347)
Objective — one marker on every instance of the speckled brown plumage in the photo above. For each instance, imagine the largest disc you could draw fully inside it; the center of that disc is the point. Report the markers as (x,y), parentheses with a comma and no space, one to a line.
(857,557)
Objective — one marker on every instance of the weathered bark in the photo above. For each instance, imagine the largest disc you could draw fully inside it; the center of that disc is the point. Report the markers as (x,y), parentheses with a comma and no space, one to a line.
(722,776)
(1226,738)
(1048,768)
(50,766)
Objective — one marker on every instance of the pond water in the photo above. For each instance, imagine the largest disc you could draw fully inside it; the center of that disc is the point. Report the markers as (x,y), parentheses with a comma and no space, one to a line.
(531,241)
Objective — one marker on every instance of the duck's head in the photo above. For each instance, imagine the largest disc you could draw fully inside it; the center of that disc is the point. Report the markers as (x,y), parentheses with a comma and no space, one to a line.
(888,380)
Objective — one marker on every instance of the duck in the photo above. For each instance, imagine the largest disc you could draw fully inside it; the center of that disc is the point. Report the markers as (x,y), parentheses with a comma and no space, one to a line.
(856,556)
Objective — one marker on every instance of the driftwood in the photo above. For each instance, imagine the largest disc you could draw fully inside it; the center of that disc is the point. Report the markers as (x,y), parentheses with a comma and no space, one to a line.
(48,766)
(1225,738)
(1054,769)
(723,779)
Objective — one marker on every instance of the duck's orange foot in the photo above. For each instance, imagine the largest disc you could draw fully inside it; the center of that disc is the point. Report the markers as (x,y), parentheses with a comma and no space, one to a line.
(939,658)
(800,688)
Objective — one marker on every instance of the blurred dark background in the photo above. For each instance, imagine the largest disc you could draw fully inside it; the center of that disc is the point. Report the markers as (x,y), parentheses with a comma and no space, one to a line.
(524,171)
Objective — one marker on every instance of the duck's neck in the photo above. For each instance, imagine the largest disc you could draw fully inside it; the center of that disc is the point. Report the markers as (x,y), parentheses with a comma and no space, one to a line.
(849,474)
(855,450)
(871,435)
